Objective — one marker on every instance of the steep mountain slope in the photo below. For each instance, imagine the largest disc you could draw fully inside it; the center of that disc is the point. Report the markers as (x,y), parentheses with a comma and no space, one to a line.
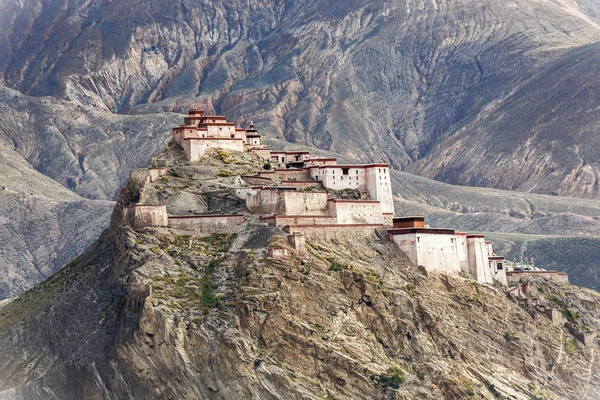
(48,150)
(86,150)
(43,225)
(158,313)
(556,152)
(375,80)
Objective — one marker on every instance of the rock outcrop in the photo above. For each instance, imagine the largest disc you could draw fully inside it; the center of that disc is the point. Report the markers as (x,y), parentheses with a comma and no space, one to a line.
(160,313)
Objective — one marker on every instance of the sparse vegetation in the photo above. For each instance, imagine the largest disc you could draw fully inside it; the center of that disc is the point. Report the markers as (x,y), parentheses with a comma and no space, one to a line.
(510,337)
(155,250)
(571,345)
(567,312)
(336,266)
(392,379)
(225,173)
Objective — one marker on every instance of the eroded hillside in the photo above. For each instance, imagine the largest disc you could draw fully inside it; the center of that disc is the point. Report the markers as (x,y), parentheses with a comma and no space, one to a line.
(466,85)
(159,313)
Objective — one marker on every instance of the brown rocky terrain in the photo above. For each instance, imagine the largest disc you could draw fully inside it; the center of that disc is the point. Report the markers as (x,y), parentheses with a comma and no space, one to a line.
(159,313)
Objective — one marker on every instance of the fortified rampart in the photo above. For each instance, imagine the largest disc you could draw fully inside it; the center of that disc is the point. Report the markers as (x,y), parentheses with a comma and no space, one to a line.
(196,147)
(140,216)
(516,277)
(285,220)
(356,211)
(142,176)
(207,224)
(334,232)
(287,202)
(435,249)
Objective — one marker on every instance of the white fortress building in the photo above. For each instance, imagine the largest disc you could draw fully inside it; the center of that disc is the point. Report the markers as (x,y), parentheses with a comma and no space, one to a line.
(310,196)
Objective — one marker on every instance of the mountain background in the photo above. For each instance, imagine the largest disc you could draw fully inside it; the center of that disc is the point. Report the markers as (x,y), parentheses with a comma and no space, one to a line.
(499,95)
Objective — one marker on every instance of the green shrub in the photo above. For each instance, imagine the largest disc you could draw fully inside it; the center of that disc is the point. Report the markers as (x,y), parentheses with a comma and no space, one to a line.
(392,379)
(208,299)
(267,166)
(510,337)
(571,345)
(336,266)
(225,173)
(155,249)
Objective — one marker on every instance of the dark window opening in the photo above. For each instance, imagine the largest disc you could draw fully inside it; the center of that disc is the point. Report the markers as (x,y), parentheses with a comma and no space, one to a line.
(345,171)
(499,266)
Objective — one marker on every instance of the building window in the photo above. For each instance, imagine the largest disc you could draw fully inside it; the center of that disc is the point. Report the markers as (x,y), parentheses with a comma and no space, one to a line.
(418,239)
(499,266)
(345,171)
(452,240)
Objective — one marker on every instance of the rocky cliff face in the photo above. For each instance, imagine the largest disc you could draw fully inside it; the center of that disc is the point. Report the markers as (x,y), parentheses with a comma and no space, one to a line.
(60,164)
(470,85)
(157,313)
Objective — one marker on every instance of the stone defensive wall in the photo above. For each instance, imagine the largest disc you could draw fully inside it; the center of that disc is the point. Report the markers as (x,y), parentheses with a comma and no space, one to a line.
(140,216)
(207,224)
(516,277)
(142,176)
(196,147)
(334,232)
(287,202)
(356,211)
(302,184)
(263,154)
(285,220)
(257,180)
(298,174)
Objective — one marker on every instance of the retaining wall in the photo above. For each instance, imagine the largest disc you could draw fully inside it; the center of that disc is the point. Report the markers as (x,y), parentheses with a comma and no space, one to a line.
(195,148)
(284,220)
(334,232)
(139,216)
(514,277)
(207,224)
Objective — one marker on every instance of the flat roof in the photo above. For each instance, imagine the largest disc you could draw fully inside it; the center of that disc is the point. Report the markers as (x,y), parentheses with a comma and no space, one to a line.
(205,216)
(290,152)
(218,123)
(213,138)
(353,166)
(407,231)
(408,218)
(353,201)
(336,226)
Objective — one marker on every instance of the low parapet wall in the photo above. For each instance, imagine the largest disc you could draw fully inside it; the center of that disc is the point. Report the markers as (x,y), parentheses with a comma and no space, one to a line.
(332,232)
(207,224)
(285,220)
(257,180)
(196,147)
(302,184)
(140,216)
(142,176)
(515,277)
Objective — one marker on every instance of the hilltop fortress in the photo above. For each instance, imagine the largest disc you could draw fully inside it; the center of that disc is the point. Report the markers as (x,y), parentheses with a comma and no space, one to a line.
(315,197)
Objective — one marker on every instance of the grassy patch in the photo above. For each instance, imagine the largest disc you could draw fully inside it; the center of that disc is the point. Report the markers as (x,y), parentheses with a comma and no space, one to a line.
(155,250)
(571,345)
(393,378)
(510,337)
(336,266)
(225,173)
